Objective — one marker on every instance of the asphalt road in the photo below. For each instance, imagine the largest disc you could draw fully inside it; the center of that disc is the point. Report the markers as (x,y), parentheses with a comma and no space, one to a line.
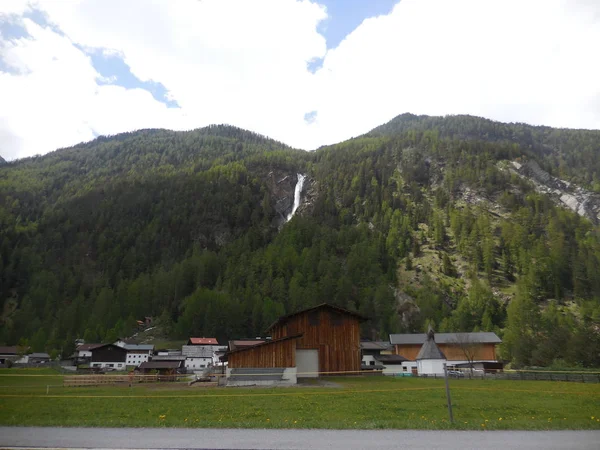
(173,438)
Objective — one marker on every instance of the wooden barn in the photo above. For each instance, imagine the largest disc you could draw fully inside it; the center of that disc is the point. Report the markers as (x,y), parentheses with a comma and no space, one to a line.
(330,341)
(323,340)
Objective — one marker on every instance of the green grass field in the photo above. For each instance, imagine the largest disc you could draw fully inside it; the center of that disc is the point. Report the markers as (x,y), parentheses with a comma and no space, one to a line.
(356,402)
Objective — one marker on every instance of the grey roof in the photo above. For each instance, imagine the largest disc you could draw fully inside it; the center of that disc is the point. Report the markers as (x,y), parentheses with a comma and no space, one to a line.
(375,345)
(430,350)
(138,347)
(196,351)
(445,338)
(168,358)
(39,355)
(390,359)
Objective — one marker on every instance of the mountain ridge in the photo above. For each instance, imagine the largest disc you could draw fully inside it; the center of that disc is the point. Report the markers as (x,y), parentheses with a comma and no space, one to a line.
(409,225)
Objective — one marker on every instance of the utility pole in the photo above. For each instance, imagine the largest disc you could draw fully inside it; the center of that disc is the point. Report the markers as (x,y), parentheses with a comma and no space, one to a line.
(448,394)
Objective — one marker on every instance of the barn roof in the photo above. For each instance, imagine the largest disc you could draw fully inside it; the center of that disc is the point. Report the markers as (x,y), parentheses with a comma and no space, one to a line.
(445,338)
(264,344)
(202,341)
(132,347)
(116,347)
(243,343)
(283,319)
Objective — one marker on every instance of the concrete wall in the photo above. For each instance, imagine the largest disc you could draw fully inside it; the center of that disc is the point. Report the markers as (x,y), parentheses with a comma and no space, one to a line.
(288,378)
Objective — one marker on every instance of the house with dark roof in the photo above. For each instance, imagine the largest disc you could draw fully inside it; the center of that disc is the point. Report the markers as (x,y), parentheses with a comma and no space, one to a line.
(321,340)
(83,353)
(8,354)
(370,351)
(109,356)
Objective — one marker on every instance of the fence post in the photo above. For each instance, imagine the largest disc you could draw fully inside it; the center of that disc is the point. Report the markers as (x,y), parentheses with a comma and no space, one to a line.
(47,389)
(448,394)
(582,378)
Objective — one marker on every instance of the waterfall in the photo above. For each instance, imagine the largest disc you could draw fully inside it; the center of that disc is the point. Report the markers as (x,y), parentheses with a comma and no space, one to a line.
(297,192)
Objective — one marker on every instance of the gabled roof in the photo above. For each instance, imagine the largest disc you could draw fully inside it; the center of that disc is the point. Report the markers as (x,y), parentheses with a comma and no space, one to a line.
(196,351)
(242,343)
(445,338)
(39,355)
(264,344)
(84,347)
(283,319)
(202,341)
(8,350)
(108,345)
(430,350)
(129,347)
(375,345)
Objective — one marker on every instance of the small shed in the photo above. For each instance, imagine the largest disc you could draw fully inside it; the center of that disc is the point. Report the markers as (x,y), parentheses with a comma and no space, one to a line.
(39,358)
(162,367)
(271,362)
(392,364)
(430,360)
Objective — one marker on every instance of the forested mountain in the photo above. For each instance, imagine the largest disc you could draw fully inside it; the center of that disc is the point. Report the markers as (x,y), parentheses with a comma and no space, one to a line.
(422,220)
(2,160)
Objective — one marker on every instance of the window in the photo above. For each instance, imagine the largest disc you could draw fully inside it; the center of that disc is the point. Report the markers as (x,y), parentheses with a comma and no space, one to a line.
(120,365)
(372,363)
(404,368)
(313,318)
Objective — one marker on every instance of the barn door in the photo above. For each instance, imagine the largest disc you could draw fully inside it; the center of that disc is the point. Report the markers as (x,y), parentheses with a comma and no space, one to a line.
(307,363)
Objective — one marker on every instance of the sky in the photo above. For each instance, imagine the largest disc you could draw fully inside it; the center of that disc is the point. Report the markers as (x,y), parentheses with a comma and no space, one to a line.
(304,72)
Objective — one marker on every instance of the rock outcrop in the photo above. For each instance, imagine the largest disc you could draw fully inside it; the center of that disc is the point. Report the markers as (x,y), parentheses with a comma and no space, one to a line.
(579,200)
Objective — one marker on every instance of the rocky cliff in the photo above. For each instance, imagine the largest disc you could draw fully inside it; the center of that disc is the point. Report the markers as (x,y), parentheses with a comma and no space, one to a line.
(583,202)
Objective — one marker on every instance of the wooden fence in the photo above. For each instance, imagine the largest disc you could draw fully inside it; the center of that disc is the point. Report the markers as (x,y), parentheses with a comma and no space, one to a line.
(99,380)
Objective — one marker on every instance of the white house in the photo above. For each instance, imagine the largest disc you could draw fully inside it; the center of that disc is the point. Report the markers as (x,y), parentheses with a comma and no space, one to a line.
(198,350)
(197,357)
(430,360)
(138,353)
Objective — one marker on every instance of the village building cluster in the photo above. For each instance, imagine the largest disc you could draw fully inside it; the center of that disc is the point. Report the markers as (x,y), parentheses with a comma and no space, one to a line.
(318,341)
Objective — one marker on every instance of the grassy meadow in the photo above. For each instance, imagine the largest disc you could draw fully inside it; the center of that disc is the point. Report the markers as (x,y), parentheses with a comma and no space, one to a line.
(349,402)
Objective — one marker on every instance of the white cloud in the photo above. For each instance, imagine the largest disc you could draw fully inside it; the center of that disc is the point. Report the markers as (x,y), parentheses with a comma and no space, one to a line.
(244,63)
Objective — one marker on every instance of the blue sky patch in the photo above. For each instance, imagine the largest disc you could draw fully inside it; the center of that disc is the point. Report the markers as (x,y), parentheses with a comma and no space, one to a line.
(310,117)
(115,71)
(345,15)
